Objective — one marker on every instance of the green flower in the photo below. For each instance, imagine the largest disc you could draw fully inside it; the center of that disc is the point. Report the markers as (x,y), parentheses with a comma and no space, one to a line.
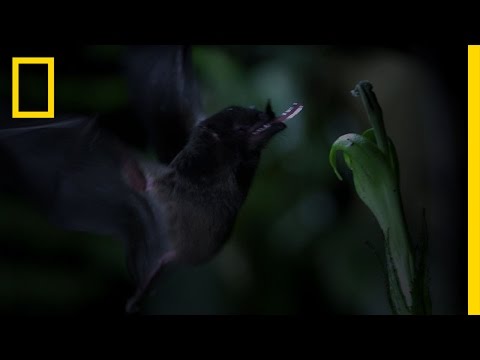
(373,161)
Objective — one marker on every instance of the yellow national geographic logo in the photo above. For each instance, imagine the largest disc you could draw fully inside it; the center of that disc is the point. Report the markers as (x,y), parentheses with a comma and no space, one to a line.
(16,62)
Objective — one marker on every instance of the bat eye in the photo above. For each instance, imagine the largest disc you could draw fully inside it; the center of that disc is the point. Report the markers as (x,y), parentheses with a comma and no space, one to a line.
(240,131)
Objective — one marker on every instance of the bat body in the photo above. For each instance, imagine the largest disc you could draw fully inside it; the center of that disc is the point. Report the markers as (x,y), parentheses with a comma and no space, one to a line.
(181,209)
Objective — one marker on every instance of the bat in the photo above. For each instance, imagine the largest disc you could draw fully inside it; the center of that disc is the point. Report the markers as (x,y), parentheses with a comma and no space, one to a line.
(178,208)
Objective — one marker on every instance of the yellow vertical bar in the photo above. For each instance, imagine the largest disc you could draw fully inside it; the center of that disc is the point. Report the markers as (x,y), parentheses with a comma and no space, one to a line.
(473,179)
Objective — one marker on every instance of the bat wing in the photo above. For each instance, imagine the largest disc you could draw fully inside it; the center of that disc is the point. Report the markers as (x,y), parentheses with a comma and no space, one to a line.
(81,177)
(164,93)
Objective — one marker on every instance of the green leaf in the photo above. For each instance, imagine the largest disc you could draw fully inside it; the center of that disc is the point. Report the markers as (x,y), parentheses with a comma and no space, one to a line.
(375,178)
(392,153)
(372,173)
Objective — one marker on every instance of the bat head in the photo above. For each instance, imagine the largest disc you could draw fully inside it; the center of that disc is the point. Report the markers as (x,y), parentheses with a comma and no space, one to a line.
(231,139)
(239,131)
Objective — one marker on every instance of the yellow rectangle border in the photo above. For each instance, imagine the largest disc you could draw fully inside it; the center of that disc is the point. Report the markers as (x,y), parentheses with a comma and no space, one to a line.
(473,179)
(16,62)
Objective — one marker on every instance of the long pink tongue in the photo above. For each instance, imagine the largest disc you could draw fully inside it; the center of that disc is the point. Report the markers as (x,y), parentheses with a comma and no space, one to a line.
(291,112)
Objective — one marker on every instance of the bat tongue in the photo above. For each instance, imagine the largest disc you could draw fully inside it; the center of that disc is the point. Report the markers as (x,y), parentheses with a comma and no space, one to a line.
(291,112)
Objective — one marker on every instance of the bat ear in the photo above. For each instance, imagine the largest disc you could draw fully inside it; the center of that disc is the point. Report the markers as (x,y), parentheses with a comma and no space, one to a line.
(134,176)
(268,110)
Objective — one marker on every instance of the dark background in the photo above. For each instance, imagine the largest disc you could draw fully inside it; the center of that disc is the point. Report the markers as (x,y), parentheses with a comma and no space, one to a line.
(299,245)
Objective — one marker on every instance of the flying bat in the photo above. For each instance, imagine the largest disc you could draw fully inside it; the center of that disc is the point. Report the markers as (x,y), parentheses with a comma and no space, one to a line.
(180,207)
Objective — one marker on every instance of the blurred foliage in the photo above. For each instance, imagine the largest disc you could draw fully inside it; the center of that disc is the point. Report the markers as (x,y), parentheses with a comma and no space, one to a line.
(299,243)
